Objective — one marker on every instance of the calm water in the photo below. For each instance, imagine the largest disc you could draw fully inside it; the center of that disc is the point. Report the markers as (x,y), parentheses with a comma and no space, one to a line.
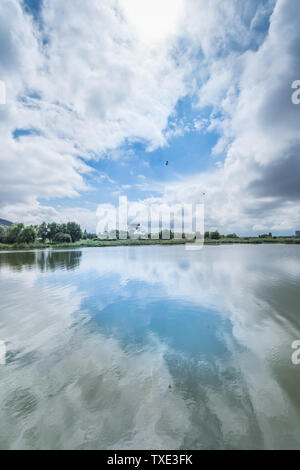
(150,348)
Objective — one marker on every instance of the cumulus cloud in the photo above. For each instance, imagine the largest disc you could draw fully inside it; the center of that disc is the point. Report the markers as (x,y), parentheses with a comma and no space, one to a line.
(83,81)
(248,87)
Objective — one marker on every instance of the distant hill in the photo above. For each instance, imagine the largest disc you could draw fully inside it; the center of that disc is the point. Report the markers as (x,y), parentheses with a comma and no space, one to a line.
(7,223)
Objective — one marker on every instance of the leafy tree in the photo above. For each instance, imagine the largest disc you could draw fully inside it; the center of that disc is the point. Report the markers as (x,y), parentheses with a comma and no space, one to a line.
(27,235)
(232,235)
(63,228)
(62,238)
(43,232)
(3,234)
(92,236)
(74,230)
(13,232)
(53,230)
(206,235)
(215,235)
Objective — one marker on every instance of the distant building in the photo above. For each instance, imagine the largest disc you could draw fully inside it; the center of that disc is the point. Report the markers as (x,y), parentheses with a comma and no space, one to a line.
(137,230)
(297,233)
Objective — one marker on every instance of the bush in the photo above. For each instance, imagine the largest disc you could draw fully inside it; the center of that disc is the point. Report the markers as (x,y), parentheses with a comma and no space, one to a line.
(62,238)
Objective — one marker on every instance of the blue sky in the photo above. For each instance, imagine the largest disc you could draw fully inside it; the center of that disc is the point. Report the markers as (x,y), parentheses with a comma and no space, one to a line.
(33,6)
(101,96)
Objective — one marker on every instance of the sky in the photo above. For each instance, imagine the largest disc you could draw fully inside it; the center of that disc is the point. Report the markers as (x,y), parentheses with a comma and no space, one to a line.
(99,95)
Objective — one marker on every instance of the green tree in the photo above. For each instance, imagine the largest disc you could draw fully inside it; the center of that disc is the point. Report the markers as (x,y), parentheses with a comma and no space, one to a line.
(62,238)
(206,235)
(215,235)
(3,234)
(63,228)
(53,229)
(74,230)
(13,232)
(92,236)
(43,232)
(27,235)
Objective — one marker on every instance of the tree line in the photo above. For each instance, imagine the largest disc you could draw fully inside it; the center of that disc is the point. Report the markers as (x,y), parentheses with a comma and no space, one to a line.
(52,232)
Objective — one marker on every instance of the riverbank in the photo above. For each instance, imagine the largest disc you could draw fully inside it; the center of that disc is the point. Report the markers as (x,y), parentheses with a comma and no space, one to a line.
(102,243)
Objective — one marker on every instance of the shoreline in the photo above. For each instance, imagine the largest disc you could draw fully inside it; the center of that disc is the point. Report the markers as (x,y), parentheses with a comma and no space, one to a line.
(111,243)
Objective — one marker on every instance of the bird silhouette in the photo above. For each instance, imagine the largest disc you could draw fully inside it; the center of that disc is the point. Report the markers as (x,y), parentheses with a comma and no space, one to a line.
(167,163)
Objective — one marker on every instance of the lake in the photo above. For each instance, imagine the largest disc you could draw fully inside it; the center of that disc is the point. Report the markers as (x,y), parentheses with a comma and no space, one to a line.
(150,347)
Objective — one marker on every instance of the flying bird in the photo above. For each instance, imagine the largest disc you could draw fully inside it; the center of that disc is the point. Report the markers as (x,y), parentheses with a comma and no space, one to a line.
(167,163)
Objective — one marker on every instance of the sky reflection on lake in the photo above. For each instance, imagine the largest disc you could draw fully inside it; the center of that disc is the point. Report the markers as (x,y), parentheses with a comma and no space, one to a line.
(150,347)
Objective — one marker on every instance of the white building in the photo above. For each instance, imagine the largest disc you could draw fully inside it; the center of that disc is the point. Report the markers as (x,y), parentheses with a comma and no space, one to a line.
(137,230)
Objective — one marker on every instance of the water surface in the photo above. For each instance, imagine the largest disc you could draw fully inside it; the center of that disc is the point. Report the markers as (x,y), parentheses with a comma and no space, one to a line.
(150,348)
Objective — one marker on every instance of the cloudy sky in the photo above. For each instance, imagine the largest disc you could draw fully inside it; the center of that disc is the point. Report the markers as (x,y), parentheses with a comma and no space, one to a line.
(100,94)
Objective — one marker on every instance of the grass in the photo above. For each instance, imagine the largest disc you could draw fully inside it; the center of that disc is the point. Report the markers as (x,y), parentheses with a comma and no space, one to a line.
(101,243)
(254,240)
(88,243)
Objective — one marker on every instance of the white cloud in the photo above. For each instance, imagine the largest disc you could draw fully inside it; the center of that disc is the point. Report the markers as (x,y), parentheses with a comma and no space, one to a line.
(53,329)
(248,86)
(86,84)
(111,72)
(153,21)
